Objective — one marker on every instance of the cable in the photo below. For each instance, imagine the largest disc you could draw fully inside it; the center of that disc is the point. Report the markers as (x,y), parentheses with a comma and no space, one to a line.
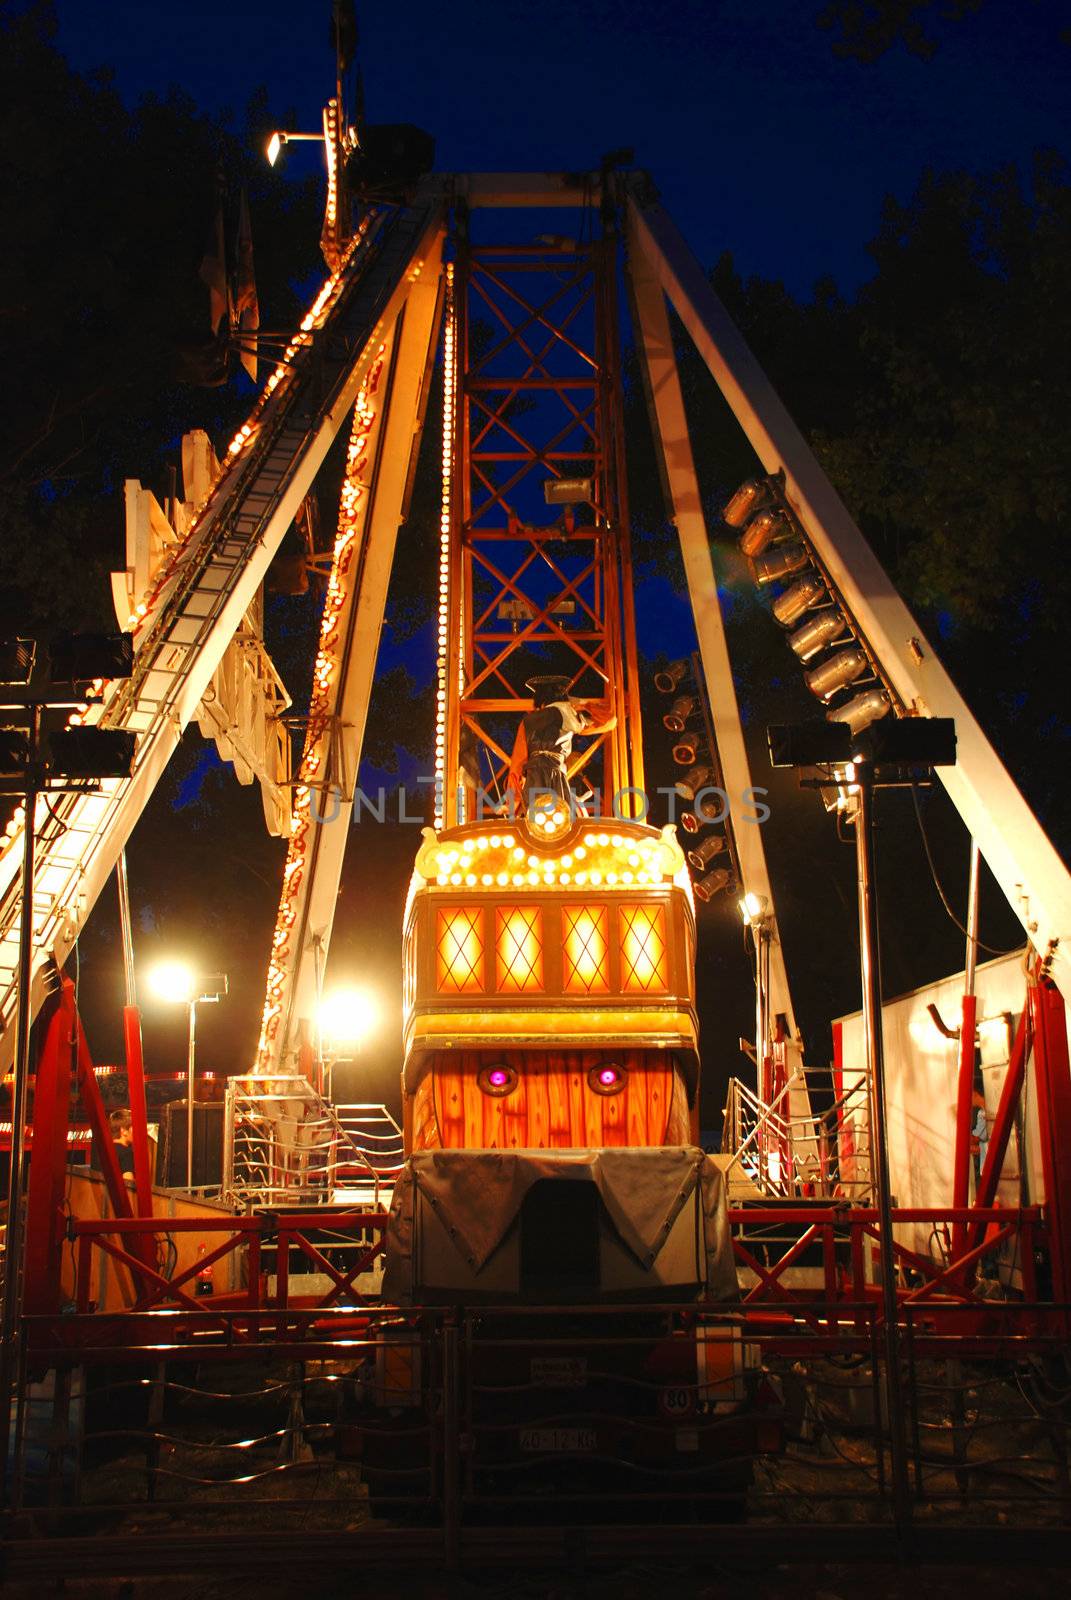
(988,948)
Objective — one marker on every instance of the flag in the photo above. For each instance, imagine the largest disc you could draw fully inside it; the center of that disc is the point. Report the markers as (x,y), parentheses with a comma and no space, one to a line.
(246,314)
(214,267)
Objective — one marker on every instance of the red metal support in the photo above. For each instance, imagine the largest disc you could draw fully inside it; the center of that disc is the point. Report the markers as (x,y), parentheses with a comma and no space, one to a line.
(48,1163)
(961,1170)
(135,1077)
(1004,1121)
(1053,1077)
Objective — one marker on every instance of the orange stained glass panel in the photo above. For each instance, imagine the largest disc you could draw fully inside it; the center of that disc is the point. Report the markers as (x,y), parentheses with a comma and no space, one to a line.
(459,950)
(518,950)
(586,968)
(644,957)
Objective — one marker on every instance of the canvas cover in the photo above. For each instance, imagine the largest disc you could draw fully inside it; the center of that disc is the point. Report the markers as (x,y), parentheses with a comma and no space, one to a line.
(477,1195)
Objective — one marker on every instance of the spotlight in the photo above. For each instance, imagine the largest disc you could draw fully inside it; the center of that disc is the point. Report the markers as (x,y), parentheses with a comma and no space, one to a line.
(698,778)
(80,657)
(861,711)
(816,633)
(678,713)
(753,908)
(711,809)
(780,563)
(714,883)
(750,497)
(763,530)
(91,753)
(836,672)
(703,854)
(16,660)
(275,145)
(348,1016)
(686,753)
(669,677)
(809,744)
(690,822)
(173,981)
(789,607)
(568,491)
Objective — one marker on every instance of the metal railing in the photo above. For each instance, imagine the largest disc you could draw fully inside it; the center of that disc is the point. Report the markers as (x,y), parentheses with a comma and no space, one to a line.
(285,1145)
(784,1155)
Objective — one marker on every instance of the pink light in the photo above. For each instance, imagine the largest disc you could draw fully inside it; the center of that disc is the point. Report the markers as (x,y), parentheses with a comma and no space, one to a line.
(498,1078)
(608,1077)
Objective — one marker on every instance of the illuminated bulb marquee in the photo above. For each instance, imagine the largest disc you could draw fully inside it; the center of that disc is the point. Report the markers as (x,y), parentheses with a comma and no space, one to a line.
(622,856)
(321,703)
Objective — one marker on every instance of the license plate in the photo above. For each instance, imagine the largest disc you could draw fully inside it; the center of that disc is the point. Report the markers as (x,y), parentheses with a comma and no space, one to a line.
(548,1441)
(559,1372)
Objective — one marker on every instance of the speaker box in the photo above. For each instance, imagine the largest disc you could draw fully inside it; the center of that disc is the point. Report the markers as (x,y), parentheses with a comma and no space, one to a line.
(207,1145)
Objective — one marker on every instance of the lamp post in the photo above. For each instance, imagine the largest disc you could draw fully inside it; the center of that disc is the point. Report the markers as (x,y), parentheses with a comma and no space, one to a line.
(176,982)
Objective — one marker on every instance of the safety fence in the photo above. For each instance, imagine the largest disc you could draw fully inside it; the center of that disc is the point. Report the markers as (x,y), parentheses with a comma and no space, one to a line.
(642,1415)
(788,1154)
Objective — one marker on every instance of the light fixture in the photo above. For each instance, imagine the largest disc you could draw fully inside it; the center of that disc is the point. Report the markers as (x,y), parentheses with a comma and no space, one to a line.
(714,883)
(347,1016)
(666,680)
(679,712)
(780,563)
(81,657)
(762,530)
(568,491)
(817,632)
(173,981)
(607,1078)
(695,780)
(703,854)
(749,498)
(16,660)
(753,908)
(789,607)
(687,752)
(498,1080)
(814,743)
(837,672)
(91,752)
(279,138)
(862,710)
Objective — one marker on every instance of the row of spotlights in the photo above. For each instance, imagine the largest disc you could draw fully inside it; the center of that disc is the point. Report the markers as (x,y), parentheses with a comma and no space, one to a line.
(771,542)
(708,881)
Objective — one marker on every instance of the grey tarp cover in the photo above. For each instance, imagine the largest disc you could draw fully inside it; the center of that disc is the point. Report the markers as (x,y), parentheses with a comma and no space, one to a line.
(478,1193)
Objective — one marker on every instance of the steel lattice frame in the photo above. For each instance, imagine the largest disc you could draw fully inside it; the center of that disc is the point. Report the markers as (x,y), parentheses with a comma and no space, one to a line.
(539,398)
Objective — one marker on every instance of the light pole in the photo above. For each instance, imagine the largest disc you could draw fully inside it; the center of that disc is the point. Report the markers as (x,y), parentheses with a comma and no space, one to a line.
(174,981)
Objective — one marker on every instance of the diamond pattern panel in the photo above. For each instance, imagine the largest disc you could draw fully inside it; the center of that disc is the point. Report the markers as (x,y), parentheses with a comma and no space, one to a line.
(586,949)
(644,957)
(519,950)
(459,950)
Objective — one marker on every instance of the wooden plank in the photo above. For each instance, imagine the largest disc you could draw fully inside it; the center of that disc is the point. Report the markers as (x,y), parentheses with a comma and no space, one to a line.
(558,1081)
(538,1102)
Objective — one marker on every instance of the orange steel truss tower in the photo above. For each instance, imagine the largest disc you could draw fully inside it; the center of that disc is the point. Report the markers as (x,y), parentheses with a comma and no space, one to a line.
(536,572)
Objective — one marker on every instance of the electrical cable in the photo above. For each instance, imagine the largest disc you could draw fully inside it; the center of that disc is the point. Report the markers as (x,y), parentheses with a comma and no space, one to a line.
(988,948)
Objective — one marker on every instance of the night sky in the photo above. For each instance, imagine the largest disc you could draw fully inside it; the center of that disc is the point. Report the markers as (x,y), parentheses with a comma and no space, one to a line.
(762,141)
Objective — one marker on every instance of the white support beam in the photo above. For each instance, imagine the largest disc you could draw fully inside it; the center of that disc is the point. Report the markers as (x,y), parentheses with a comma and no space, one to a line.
(1020,855)
(359,627)
(672,438)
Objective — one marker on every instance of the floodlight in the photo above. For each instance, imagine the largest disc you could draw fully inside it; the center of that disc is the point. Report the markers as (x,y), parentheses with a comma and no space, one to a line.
(91,753)
(568,491)
(173,981)
(753,908)
(679,712)
(347,1016)
(817,632)
(687,752)
(695,780)
(275,144)
(762,530)
(809,744)
(16,660)
(861,711)
(714,883)
(703,854)
(669,677)
(81,657)
(908,742)
(780,563)
(837,672)
(750,497)
(14,754)
(789,607)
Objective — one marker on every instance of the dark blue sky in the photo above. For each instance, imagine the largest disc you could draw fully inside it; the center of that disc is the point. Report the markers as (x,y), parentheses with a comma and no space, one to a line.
(759,138)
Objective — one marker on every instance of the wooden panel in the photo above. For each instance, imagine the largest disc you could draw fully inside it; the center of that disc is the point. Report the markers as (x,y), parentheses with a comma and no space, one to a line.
(558,1095)
(538,1102)
(426,1134)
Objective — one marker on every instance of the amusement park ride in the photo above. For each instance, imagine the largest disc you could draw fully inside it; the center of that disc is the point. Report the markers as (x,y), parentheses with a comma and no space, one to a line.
(550,1035)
